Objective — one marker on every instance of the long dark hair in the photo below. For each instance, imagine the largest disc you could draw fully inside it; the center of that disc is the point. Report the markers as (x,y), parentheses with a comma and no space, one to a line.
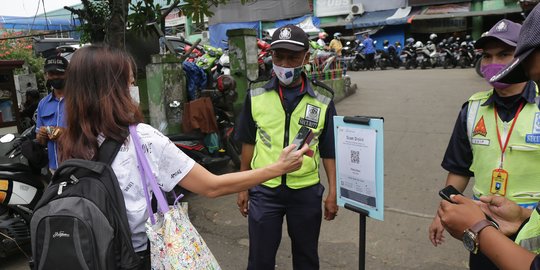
(97,100)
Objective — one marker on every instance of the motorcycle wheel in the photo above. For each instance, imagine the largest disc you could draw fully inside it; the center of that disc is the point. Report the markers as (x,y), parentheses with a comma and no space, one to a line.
(382,65)
(477,68)
(408,65)
(447,63)
(353,66)
(233,151)
(463,63)
(424,65)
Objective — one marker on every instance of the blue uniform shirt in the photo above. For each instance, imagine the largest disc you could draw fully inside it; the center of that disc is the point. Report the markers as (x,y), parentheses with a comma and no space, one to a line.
(50,112)
(246,130)
(368,45)
(458,157)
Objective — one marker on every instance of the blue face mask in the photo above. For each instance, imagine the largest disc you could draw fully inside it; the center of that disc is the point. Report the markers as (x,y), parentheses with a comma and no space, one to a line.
(288,75)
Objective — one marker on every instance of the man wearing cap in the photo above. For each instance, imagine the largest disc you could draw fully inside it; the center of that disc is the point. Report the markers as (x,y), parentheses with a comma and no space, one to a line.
(489,138)
(464,213)
(271,117)
(50,111)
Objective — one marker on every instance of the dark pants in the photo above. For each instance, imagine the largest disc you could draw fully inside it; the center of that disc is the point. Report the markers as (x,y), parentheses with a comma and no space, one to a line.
(370,60)
(302,207)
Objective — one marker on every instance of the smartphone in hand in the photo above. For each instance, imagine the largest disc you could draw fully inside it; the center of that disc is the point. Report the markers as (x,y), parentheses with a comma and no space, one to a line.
(304,136)
(449,190)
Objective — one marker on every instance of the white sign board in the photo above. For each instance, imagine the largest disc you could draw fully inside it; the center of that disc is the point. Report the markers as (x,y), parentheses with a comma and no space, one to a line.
(325,8)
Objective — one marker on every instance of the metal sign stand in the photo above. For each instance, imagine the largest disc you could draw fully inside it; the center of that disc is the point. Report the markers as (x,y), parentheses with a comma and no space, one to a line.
(362,237)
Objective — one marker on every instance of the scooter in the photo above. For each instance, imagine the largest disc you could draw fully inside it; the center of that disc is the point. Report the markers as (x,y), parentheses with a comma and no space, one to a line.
(21,186)
(196,145)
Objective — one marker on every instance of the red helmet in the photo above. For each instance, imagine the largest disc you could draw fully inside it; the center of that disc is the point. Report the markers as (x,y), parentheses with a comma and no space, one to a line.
(323,35)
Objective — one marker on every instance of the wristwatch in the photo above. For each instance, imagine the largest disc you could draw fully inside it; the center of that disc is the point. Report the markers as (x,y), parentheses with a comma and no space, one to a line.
(470,236)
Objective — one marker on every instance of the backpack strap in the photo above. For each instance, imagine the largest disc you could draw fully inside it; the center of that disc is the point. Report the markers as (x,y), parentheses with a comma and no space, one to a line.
(108,151)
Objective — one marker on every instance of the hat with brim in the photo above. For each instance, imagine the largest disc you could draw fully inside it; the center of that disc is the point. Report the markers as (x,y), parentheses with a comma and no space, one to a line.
(529,40)
(504,30)
(481,42)
(513,72)
(290,37)
(55,63)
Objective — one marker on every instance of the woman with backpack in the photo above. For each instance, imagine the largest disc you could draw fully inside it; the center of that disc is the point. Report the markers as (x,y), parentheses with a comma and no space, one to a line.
(99,106)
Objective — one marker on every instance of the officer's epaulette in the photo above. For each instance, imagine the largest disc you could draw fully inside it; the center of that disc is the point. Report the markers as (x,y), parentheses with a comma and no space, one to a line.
(324,86)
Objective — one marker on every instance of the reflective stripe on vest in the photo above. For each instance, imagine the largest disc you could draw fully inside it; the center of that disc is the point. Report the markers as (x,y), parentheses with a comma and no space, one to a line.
(529,236)
(270,119)
(520,158)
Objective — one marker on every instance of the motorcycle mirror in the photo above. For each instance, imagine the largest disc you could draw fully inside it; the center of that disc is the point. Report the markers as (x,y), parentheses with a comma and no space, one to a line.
(7,138)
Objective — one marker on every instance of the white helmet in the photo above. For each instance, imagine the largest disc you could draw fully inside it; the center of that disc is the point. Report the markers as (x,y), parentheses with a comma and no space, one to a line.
(418,44)
(433,36)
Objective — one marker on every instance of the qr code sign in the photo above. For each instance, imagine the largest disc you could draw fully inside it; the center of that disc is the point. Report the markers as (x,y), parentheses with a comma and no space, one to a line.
(355,157)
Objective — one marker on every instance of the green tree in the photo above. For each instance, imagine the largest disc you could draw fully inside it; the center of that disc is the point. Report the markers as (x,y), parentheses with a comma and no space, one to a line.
(106,20)
(12,47)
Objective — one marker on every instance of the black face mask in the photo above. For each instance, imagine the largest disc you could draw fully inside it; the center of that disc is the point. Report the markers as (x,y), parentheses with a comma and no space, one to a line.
(56,83)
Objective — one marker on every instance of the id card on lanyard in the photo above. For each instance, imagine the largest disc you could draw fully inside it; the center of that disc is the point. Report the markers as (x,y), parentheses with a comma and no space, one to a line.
(499,176)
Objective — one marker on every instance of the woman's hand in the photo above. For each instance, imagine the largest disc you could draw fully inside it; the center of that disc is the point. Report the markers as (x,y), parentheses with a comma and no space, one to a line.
(458,216)
(506,213)
(290,160)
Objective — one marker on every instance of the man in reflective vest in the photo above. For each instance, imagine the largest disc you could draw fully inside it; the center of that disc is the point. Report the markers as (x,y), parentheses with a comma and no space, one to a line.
(491,139)
(271,118)
(464,214)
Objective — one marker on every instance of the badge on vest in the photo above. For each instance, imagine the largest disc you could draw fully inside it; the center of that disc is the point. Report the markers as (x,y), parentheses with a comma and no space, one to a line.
(480,128)
(534,138)
(311,118)
(499,179)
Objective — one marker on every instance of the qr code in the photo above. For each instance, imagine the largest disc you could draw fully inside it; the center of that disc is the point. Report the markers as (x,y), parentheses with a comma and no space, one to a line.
(355,157)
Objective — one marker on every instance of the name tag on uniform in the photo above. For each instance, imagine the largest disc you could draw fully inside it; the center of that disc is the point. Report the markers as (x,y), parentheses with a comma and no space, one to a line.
(532,138)
(312,116)
(480,141)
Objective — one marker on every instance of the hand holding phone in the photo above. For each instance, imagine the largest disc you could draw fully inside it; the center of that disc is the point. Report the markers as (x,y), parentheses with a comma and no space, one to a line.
(304,136)
(449,190)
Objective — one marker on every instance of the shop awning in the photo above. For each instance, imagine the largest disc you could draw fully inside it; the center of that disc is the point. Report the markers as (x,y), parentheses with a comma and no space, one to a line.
(38,23)
(380,18)
(463,10)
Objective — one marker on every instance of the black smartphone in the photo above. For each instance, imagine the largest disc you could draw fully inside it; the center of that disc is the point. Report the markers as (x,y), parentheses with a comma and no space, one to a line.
(303,136)
(449,190)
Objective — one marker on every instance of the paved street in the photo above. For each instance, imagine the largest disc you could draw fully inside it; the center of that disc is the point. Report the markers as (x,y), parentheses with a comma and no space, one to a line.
(419,107)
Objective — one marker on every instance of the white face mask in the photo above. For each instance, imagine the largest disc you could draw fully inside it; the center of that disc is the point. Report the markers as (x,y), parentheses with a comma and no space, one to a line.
(134,92)
(288,75)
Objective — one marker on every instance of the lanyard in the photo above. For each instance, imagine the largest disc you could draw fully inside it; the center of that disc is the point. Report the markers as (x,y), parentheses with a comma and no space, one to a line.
(281,92)
(503,148)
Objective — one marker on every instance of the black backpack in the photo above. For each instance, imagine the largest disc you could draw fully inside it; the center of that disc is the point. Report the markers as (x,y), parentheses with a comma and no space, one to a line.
(81,222)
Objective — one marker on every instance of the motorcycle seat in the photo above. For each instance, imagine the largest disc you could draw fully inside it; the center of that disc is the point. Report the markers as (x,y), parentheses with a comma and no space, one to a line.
(14,167)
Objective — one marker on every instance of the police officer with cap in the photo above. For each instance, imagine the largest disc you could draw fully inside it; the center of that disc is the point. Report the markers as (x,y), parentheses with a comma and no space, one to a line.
(50,111)
(464,214)
(271,117)
(489,141)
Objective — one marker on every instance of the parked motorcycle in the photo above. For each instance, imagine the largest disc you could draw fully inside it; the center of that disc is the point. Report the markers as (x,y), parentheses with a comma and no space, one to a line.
(466,57)
(21,186)
(196,145)
(408,57)
(264,59)
(447,56)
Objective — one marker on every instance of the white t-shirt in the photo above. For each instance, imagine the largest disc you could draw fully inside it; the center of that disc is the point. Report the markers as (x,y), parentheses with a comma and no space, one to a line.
(321,42)
(167,162)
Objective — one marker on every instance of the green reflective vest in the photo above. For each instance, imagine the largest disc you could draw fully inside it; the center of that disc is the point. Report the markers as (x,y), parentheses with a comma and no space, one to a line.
(529,236)
(522,153)
(277,129)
